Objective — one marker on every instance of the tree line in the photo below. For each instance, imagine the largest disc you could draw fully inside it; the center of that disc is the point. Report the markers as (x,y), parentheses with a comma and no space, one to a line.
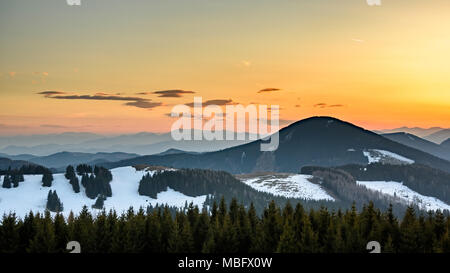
(217,184)
(228,229)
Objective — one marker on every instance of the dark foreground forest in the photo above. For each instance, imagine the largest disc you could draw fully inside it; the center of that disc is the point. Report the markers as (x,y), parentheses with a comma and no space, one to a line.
(228,229)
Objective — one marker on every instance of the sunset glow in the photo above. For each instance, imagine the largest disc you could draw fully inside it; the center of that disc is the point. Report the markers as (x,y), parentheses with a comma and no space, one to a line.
(120,66)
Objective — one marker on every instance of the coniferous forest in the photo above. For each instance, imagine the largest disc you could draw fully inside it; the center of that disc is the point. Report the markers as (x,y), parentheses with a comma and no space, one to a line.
(228,229)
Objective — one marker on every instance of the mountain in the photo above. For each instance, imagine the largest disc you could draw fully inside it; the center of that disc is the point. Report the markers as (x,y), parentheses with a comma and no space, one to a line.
(417,131)
(63,159)
(317,141)
(140,143)
(174,151)
(446,144)
(420,144)
(45,139)
(6,163)
(439,137)
(18,157)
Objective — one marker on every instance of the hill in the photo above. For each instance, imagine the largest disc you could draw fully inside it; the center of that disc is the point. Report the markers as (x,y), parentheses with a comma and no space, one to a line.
(62,159)
(319,141)
(446,144)
(439,137)
(6,163)
(420,144)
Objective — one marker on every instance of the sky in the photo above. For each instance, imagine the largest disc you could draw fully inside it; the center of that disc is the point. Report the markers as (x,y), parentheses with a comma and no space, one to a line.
(115,66)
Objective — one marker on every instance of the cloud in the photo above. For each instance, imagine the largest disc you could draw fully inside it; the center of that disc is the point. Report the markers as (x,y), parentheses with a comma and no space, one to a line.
(271,89)
(12,127)
(52,126)
(336,105)
(144,104)
(175,93)
(12,74)
(51,93)
(213,102)
(324,105)
(320,105)
(131,101)
(106,94)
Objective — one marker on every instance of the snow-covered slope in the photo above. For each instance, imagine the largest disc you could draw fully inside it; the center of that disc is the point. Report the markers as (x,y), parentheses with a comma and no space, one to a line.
(403,192)
(381,156)
(30,195)
(291,186)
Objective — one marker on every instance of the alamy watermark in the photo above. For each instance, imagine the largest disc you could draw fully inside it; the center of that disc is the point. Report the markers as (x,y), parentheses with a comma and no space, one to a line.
(73,2)
(206,122)
(374,2)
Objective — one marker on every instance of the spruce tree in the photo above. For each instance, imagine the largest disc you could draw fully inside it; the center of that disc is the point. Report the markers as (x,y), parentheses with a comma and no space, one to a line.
(9,234)
(75,184)
(287,243)
(53,202)
(99,202)
(6,182)
(70,172)
(47,179)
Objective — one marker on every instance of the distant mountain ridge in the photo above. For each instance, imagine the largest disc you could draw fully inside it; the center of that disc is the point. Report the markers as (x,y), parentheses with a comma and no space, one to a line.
(446,144)
(439,136)
(6,163)
(420,144)
(434,134)
(417,131)
(318,141)
(141,143)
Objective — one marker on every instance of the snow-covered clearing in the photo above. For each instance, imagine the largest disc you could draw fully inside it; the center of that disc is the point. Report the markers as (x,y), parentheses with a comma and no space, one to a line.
(291,186)
(30,195)
(401,191)
(381,156)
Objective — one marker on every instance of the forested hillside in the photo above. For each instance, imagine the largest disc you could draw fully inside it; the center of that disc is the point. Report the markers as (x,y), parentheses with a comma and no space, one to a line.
(420,178)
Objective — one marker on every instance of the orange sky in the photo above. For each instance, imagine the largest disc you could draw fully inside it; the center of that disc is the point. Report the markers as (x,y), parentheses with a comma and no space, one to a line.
(378,67)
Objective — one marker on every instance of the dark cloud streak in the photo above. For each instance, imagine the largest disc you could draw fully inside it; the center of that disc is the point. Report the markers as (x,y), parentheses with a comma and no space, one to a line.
(130,101)
(176,93)
(271,89)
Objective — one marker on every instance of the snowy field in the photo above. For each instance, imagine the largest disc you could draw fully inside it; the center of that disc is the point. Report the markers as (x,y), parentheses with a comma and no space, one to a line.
(291,186)
(401,191)
(30,195)
(375,156)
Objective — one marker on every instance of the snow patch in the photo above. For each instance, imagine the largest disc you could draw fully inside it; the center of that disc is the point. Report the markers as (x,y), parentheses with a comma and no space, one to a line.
(401,191)
(382,156)
(291,186)
(30,195)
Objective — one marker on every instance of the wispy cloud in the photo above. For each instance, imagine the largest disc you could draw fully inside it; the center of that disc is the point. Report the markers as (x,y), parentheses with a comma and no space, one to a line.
(144,104)
(270,89)
(51,93)
(324,105)
(12,127)
(218,102)
(336,105)
(175,93)
(53,126)
(131,101)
